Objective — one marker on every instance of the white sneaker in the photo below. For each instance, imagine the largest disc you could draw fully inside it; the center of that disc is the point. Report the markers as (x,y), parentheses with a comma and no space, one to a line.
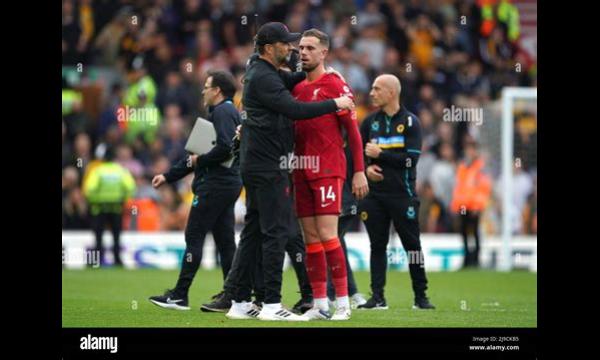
(243,311)
(317,314)
(332,304)
(356,300)
(341,313)
(279,315)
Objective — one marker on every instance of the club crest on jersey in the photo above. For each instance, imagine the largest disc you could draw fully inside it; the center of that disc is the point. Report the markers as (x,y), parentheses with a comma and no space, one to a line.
(410,213)
(400,129)
(364,216)
(375,126)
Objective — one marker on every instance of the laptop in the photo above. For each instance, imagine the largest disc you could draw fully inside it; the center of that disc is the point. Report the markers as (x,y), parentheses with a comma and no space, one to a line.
(203,138)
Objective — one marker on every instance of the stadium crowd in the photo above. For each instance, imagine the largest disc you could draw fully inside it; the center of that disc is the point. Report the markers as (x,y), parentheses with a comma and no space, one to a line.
(120,56)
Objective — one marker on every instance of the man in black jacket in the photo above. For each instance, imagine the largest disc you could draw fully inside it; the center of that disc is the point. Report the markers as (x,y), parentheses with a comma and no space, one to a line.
(265,156)
(216,188)
(392,139)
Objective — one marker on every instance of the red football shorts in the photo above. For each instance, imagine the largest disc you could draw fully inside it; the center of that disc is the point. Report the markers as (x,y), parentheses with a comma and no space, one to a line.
(318,197)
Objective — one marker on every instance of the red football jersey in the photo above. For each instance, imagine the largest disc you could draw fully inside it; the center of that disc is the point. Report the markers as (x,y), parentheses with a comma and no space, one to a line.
(319,145)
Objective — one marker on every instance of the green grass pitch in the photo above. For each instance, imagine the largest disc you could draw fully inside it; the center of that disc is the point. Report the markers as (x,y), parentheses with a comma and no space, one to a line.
(119,298)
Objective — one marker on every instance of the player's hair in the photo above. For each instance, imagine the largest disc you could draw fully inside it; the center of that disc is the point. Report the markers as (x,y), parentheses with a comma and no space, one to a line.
(323,38)
(224,81)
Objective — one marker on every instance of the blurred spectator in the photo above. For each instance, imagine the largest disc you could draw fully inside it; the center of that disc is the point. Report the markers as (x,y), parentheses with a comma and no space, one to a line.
(86,20)
(354,74)
(107,188)
(326,20)
(396,24)
(426,97)
(442,175)
(191,14)
(444,135)
(496,51)
(108,41)
(173,216)
(108,117)
(530,211)
(433,212)
(74,206)
(173,91)
(143,211)
(370,46)
(424,166)
(391,62)
(297,19)
(469,199)
(191,85)
(525,141)
(174,138)
(70,98)
(75,119)
(72,34)
(469,80)
(125,159)
(82,152)
(160,61)
(423,34)
(522,190)
(496,13)
(370,16)
(67,150)
(140,116)
(142,88)
(456,40)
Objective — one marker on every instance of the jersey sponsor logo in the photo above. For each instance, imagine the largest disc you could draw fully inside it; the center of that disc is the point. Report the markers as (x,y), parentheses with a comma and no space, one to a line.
(391,142)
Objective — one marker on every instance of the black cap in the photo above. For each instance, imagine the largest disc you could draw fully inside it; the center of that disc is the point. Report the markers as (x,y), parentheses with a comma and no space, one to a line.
(274,32)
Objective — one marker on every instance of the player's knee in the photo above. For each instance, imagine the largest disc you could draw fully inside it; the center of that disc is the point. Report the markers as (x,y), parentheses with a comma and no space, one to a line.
(326,232)
(311,237)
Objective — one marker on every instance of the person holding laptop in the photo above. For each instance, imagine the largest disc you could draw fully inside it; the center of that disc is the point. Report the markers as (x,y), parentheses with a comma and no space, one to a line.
(216,188)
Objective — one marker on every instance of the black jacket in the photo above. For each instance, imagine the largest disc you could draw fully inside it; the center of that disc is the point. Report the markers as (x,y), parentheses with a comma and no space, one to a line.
(400,139)
(267,135)
(208,172)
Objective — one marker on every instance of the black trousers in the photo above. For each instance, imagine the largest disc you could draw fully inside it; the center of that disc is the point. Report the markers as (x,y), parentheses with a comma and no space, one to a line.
(265,234)
(295,249)
(212,210)
(470,221)
(377,212)
(99,221)
(344,224)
